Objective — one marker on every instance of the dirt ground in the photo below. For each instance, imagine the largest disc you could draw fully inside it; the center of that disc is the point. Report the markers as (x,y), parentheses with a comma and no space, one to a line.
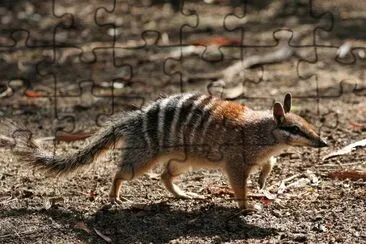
(315,207)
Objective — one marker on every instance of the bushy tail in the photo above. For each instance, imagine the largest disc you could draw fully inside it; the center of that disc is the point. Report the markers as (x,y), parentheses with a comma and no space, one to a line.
(27,150)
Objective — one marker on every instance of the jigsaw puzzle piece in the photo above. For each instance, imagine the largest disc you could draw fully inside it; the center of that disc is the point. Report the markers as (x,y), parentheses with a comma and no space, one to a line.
(148,68)
(26,46)
(104,80)
(19,29)
(80,25)
(147,41)
(194,46)
(248,77)
(341,78)
(262,20)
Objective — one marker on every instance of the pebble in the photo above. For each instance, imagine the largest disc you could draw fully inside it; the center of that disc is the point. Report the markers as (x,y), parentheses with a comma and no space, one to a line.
(300,237)
(277,213)
(322,228)
(16,83)
(318,218)
(294,156)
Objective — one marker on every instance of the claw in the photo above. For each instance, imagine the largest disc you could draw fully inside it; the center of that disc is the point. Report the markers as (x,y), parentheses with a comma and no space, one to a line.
(262,184)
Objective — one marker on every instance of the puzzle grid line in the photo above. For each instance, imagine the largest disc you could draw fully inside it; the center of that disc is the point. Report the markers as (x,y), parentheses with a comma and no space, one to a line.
(67,22)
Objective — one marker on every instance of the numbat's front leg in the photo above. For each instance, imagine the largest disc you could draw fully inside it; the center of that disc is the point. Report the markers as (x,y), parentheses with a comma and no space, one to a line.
(238,177)
(266,170)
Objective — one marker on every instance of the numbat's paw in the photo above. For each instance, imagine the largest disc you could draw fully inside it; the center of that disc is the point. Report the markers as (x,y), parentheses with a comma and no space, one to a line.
(262,184)
(118,200)
(250,208)
(253,208)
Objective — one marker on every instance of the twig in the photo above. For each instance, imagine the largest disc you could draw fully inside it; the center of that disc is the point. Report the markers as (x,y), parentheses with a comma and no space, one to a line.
(230,72)
(340,164)
(346,149)
(290,178)
(8,200)
(283,181)
(21,233)
(299,183)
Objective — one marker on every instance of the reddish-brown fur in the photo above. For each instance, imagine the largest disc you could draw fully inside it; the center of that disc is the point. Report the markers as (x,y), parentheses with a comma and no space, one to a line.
(229,110)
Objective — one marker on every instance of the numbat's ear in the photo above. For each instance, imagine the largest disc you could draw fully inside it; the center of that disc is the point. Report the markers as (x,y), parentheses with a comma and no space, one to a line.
(287,102)
(278,112)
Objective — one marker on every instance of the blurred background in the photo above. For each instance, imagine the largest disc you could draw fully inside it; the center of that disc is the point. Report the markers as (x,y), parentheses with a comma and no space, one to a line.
(68,66)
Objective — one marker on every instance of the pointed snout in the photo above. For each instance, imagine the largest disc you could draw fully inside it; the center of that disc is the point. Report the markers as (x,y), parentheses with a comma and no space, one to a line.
(320,143)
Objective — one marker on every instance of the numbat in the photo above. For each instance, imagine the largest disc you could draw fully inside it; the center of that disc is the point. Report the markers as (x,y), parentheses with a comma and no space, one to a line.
(187,131)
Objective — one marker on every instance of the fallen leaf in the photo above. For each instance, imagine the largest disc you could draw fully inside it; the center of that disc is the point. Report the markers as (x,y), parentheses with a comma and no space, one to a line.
(50,202)
(141,213)
(217,41)
(346,149)
(263,194)
(32,93)
(299,183)
(356,125)
(92,195)
(352,175)
(269,195)
(220,190)
(5,91)
(6,141)
(283,187)
(191,221)
(82,226)
(104,237)
(266,201)
(69,137)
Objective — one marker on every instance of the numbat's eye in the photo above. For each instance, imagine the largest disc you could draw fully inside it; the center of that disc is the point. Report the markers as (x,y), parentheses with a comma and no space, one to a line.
(293,129)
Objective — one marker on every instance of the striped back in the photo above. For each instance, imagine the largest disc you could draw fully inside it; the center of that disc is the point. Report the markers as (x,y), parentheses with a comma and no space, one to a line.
(182,121)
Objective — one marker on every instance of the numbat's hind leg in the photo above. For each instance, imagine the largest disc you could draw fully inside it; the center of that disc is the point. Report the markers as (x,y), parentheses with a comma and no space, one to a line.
(127,172)
(122,174)
(171,172)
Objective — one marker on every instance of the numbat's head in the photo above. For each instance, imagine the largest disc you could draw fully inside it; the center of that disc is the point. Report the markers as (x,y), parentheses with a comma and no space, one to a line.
(293,130)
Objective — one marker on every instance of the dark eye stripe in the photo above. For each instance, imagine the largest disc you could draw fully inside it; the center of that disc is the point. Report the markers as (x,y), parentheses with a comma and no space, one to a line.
(295,131)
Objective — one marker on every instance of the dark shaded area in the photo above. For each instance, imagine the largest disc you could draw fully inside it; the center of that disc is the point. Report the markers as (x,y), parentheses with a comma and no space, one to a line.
(140,226)
(65,74)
